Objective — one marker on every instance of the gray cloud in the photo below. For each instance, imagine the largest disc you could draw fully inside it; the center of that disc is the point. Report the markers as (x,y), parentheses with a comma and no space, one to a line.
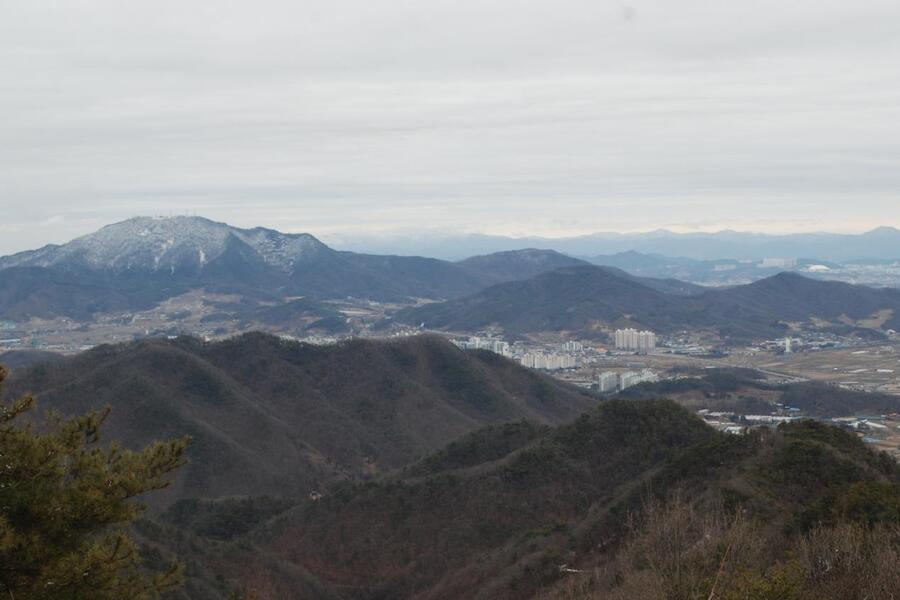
(499,116)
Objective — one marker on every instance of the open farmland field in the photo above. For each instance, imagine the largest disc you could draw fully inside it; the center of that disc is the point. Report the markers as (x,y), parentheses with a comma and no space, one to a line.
(874,368)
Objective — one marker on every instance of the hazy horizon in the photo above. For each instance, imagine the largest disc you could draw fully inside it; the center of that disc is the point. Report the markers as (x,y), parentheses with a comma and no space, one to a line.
(356,239)
(427,241)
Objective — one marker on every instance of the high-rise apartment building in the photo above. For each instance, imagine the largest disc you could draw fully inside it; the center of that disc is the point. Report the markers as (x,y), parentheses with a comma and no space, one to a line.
(643,342)
(630,378)
(572,346)
(607,382)
(493,344)
(778,263)
(550,362)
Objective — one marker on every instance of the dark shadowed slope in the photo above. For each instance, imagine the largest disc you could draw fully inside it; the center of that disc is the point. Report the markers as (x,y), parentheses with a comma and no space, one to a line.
(19,359)
(269,416)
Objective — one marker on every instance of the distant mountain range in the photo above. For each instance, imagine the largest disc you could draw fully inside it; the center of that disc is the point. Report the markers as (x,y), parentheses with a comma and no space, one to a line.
(880,243)
(283,281)
(138,263)
(275,417)
(585,300)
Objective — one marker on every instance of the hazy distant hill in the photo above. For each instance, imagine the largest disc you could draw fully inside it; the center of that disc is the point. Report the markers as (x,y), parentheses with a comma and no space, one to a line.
(794,297)
(576,299)
(519,264)
(135,264)
(585,299)
(750,310)
(268,416)
(688,269)
(880,243)
(666,285)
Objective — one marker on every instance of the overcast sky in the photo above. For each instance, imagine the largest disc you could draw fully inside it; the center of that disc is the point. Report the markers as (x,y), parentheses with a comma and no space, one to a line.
(499,116)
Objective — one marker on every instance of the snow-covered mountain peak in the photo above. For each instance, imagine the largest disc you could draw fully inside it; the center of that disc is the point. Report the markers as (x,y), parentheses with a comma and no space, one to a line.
(171,243)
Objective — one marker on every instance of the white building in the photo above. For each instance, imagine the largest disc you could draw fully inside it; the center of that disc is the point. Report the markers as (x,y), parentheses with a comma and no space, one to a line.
(607,382)
(550,362)
(627,379)
(778,263)
(630,378)
(572,347)
(633,340)
(493,344)
(500,347)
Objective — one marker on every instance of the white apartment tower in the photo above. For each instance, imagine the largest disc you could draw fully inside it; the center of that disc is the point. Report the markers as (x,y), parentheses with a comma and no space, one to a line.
(642,342)
(550,362)
(607,381)
(630,378)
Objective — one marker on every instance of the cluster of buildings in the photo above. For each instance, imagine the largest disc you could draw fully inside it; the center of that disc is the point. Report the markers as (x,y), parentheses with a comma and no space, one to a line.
(550,361)
(572,346)
(731,422)
(10,338)
(486,343)
(610,381)
(632,340)
(882,431)
(807,341)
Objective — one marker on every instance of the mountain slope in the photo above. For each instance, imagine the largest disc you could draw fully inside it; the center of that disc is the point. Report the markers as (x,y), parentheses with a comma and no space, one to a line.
(269,416)
(27,292)
(577,299)
(665,285)
(17,359)
(496,516)
(792,297)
